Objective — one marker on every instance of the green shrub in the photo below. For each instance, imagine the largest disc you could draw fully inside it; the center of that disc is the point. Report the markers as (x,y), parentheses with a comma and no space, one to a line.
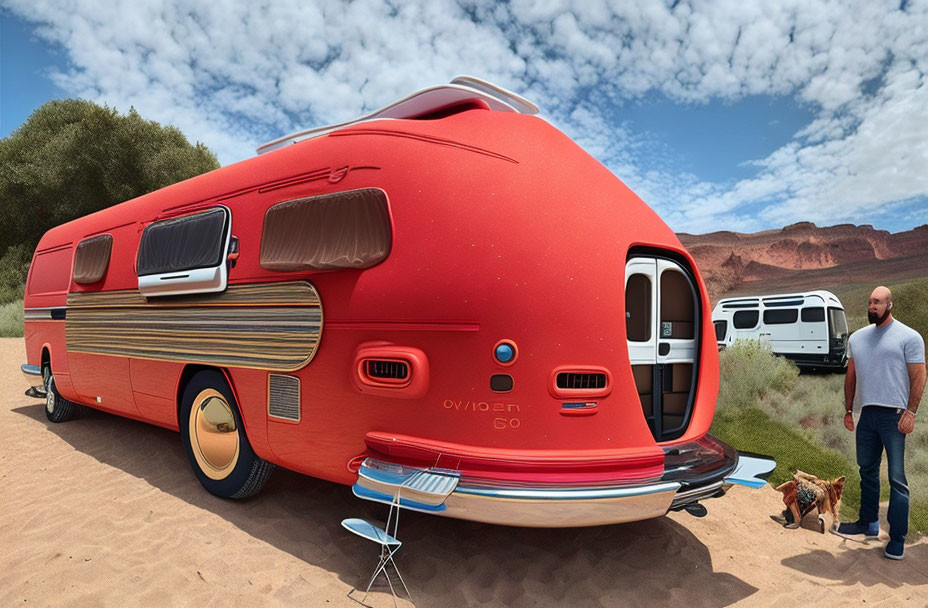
(909,305)
(11,320)
(14,267)
(749,370)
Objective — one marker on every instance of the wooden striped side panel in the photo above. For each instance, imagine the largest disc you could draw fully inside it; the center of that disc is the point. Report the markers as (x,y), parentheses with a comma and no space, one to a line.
(272,326)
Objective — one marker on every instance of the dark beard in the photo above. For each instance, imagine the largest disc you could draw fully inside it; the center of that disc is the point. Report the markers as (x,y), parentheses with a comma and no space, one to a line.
(872,318)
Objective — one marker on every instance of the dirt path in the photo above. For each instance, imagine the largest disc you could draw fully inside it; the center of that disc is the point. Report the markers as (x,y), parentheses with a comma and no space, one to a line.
(104,511)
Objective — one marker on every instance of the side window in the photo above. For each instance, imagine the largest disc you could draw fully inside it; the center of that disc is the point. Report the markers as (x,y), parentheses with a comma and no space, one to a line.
(812,315)
(327,232)
(780,316)
(184,255)
(91,259)
(49,272)
(745,319)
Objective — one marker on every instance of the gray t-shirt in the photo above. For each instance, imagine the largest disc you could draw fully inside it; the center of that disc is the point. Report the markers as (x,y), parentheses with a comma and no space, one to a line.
(880,357)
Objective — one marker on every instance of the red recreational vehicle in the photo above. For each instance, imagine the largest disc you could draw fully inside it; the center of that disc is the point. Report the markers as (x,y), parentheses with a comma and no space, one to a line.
(447,296)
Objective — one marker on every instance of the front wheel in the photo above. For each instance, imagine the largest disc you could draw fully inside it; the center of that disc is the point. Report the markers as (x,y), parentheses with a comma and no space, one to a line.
(57,408)
(215,441)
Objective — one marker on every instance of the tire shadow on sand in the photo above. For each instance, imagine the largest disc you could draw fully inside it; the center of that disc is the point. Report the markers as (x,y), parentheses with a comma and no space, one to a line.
(444,561)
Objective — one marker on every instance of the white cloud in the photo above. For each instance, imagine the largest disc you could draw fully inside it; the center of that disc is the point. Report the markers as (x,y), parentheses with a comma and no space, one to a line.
(235,74)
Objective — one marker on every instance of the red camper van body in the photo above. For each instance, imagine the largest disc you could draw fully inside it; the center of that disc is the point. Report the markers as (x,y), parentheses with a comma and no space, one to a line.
(501,229)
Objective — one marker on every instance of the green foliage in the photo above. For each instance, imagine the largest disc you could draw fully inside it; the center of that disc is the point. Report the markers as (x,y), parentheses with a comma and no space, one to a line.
(11,320)
(73,157)
(750,370)
(14,267)
(909,304)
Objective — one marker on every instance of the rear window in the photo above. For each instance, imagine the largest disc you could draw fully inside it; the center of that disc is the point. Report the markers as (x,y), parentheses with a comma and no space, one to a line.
(813,315)
(745,319)
(184,243)
(781,316)
(327,232)
(91,259)
(721,328)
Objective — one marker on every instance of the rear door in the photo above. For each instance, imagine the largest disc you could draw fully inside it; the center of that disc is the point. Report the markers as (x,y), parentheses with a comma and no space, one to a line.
(662,319)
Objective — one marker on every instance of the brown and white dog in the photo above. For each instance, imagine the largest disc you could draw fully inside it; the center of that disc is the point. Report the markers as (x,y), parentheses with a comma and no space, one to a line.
(804,492)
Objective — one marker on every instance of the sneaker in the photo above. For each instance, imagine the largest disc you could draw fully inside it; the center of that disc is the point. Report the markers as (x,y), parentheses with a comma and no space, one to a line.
(859,528)
(894,550)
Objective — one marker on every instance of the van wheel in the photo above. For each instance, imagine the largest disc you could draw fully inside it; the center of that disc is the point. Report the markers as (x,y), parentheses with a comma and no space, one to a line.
(57,408)
(215,441)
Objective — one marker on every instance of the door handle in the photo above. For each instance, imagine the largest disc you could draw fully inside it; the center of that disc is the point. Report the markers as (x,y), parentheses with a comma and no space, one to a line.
(663,349)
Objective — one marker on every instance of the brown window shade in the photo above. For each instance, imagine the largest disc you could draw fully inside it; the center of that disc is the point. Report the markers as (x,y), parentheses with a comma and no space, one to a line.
(92,258)
(677,306)
(331,231)
(638,308)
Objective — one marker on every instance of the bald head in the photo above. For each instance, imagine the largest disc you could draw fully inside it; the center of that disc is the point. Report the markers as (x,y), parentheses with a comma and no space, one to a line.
(880,305)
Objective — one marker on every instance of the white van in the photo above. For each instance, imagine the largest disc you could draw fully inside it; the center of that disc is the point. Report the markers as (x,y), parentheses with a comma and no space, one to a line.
(809,328)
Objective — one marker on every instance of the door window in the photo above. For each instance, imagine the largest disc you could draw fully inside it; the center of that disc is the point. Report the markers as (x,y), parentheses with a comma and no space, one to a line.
(638,308)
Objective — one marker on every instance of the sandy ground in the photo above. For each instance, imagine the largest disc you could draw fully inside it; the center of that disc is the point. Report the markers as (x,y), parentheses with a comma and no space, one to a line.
(104,511)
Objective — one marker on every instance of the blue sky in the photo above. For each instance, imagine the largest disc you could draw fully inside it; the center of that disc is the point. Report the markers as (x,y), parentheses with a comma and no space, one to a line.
(723,115)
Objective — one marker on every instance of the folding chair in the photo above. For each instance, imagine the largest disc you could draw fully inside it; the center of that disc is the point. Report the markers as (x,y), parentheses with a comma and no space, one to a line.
(389,545)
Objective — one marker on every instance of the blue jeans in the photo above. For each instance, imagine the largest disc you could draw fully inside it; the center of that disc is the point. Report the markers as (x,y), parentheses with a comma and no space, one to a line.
(877,429)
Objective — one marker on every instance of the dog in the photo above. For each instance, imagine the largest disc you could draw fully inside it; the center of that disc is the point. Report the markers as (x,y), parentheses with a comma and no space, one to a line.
(804,492)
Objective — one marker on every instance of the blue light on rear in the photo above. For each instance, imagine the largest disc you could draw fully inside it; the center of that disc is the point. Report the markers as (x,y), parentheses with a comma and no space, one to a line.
(504,353)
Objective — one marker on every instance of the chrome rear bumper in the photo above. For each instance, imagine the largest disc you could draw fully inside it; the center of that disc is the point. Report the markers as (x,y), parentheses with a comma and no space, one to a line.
(444,492)
(33,376)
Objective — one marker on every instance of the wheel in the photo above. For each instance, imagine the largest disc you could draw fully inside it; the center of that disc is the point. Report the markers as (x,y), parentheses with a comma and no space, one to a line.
(215,441)
(57,408)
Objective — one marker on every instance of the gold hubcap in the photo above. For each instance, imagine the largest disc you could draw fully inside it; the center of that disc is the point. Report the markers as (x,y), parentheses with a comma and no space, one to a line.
(213,434)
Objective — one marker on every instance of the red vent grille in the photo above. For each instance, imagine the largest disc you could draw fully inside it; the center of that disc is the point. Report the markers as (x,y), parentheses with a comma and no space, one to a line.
(579,381)
(386,370)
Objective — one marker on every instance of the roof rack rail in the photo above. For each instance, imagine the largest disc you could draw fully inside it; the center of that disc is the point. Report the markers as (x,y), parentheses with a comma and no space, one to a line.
(461,89)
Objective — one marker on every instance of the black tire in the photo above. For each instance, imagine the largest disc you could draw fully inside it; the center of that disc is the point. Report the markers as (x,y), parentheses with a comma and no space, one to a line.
(237,475)
(57,408)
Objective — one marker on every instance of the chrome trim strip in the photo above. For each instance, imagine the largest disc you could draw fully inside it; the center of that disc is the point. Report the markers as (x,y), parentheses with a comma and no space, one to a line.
(568,494)
(31,314)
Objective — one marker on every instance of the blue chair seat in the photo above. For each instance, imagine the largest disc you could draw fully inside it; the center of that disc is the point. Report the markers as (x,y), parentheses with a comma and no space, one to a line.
(370,531)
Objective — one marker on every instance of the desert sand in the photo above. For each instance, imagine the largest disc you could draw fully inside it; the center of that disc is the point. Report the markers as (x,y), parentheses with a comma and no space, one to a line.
(105,511)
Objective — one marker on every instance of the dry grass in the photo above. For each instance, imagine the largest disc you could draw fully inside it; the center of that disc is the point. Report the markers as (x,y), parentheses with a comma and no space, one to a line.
(11,320)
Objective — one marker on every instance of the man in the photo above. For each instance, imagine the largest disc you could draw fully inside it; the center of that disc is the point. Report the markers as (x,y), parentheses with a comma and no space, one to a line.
(886,369)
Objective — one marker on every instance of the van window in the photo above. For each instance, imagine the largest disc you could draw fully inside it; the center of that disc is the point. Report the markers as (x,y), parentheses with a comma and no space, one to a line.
(184,243)
(91,259)
(837,325)
(327,232)
(638,308)
(781,316)
(813,315)
(745,319)
(721,329)
(49,273)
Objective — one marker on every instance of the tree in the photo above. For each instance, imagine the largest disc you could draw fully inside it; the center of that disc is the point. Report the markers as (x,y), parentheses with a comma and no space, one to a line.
(74,157)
